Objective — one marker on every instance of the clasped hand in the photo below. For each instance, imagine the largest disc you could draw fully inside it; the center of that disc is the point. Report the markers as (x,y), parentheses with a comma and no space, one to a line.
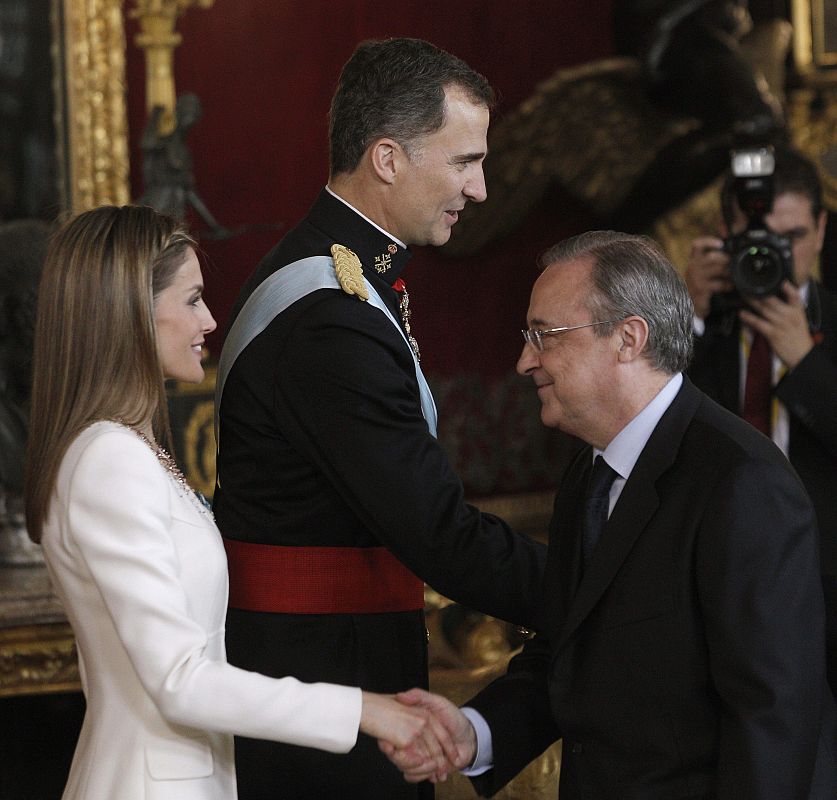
(426,736)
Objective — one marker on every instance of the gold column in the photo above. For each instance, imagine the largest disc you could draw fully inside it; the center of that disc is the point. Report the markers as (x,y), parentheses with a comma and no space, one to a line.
(158,38)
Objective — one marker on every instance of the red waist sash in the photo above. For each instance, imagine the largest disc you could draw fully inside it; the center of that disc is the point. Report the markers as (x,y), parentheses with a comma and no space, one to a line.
(320,580)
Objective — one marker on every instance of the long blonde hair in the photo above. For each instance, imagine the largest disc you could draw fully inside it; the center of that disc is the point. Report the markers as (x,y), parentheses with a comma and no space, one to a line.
(95,352)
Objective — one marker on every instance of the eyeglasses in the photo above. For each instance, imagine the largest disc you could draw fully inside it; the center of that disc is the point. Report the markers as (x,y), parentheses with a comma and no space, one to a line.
(534,336)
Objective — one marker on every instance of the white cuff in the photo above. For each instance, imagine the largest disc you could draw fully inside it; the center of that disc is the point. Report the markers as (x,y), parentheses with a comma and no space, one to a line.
(484,758)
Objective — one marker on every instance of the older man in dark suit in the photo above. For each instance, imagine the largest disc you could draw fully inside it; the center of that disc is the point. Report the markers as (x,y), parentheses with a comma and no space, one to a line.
(682,645)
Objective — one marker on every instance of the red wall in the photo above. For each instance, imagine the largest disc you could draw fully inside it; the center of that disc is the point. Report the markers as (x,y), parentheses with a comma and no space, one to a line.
(265,71)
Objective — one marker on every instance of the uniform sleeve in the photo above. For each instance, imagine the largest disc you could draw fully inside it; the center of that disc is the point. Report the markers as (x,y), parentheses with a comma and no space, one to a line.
(347,397)
(759,588)
(119,525)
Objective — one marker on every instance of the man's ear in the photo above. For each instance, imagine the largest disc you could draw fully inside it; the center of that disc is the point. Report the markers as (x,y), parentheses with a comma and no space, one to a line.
(633,338)
(384,154)
(822,220)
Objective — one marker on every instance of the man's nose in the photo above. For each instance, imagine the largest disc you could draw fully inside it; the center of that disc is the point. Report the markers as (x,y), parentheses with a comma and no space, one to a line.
(474,189)
(528,361)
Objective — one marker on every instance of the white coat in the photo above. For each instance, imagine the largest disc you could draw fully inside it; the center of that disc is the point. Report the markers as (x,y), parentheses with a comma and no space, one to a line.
(142,575)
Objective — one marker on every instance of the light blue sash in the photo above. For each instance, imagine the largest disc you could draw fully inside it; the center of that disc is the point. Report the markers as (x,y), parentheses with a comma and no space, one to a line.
(281,290)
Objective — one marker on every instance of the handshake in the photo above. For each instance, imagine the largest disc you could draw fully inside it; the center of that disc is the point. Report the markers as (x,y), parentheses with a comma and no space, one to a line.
(426,736)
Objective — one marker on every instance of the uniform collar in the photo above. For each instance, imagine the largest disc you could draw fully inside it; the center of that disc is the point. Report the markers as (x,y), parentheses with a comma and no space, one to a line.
(382,256)
(371,222)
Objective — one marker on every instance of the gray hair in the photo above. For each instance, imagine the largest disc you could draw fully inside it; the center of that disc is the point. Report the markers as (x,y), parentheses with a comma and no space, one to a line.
(632,277)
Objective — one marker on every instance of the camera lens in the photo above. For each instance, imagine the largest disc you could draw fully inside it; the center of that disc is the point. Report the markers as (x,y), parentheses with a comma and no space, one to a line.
(757,270)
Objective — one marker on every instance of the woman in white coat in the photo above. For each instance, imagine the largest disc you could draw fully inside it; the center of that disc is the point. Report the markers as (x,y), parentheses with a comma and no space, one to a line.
(132,552)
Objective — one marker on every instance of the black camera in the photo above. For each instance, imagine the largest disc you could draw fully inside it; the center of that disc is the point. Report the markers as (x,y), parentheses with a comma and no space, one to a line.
(760,260)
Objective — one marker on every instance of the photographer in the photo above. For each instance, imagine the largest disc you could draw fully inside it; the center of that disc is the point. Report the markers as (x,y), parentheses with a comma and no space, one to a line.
(769,351)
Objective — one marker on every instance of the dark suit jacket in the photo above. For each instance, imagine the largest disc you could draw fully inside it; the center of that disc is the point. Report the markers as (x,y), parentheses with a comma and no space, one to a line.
(809,393)
(687,662)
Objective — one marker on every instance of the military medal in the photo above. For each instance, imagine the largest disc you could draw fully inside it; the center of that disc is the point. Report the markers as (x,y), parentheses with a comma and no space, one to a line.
(383,262)
(404,307)
(349,271)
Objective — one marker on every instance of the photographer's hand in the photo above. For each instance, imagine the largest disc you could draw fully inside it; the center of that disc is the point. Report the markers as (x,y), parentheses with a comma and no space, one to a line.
(707,272)
(783,323)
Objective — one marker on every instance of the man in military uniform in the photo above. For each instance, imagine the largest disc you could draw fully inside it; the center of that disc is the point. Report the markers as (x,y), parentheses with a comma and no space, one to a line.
(334,497)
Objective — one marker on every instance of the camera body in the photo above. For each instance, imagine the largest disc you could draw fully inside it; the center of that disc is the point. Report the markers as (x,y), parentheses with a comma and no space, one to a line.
(760,260)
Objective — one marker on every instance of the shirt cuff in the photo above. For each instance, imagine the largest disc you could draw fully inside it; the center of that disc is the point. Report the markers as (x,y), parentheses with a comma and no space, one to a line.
(484,758)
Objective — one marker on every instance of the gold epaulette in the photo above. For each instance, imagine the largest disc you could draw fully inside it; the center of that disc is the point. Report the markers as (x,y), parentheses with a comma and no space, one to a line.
(349,271)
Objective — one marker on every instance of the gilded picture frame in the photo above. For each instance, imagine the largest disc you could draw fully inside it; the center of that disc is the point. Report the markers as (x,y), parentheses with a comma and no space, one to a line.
(91,112)
(815,38)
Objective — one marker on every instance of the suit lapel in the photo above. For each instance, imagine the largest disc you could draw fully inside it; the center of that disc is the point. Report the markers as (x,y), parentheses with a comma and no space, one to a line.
(563,568)
(636,507)
(726,355)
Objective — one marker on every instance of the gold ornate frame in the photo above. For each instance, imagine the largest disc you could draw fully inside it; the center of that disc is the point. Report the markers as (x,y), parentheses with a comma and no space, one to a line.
(812,108)
(91,115)
(812,57)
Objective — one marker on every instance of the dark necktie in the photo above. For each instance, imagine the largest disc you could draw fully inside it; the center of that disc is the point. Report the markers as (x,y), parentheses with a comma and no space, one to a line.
(757,386)
(596,505)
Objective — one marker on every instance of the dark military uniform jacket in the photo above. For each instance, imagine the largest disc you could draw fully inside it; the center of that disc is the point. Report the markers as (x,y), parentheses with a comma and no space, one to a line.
(323,444)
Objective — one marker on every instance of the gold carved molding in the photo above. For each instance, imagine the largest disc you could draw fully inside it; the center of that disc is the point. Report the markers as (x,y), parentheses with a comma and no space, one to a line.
(813,51)
(38,659)
(192,408)
(89,58)
(37,651)
(812,119)
(89,55)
